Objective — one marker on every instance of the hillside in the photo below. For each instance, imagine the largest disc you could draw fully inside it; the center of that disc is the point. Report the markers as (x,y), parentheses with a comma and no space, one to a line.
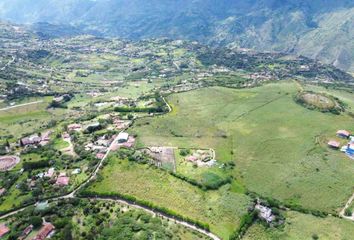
(32,64)
(321,29)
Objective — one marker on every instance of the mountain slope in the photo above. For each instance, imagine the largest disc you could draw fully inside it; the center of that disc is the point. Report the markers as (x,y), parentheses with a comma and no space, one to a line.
(321,29)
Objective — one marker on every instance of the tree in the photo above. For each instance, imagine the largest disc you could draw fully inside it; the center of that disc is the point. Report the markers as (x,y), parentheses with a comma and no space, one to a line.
(36,221)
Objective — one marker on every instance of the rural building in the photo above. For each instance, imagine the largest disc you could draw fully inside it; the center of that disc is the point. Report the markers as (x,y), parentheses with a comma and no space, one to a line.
(2,191)
(26,232)
(3,230)
(34,139)
(265,213)
(49,173)
(62,181)
(44,232)
(350,149)
(123,137)
(343,134)
(76,171)
(66,135)
(103,142)
(191,158)
(74,127)
(45,138)
(334,144)
(100,155)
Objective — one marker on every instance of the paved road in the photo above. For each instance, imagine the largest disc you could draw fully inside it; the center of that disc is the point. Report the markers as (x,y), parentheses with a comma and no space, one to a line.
(21,105)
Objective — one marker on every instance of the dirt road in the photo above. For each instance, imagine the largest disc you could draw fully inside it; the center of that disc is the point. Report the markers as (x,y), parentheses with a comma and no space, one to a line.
(20,105)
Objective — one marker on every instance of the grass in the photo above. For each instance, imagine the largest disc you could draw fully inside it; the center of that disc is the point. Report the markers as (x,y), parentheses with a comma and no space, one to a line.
(29,157)
(203,175)
(221,209)
(27,119)
(299,226)
(278,147)
(60,144)
(14,198)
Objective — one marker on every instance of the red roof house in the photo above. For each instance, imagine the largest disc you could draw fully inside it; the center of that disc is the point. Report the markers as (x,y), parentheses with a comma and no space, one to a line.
(343,133)
(62,181)
(100,155)
(3,230)
(191,158)
(26,232)
(44,231)
(334,144)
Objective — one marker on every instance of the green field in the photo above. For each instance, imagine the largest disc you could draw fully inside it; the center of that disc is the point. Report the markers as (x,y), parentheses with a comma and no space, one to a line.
(24,120)
(278,146)
(302,227)
(221,209)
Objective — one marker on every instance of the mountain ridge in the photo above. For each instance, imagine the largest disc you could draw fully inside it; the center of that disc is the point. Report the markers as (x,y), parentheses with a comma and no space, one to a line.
(320,29)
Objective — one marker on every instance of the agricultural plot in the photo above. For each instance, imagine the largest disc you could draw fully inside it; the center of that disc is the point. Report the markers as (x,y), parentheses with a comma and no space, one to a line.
(221,209)
(279,147)
(163,156)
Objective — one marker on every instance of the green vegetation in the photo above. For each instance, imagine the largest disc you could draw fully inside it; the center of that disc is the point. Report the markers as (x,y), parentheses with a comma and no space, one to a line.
(278,147)
(321,102)
(220,209)
(84,219)
(301,226)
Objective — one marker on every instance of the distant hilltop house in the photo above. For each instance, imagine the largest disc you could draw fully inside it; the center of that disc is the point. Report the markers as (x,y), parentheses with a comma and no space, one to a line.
(44,232)
(123,137)
(343,133)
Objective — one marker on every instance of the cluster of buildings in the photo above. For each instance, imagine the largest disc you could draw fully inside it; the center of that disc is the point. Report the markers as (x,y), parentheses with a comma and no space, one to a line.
(60,179)
(348,148)
(265,213)
(35,139)
(201,158)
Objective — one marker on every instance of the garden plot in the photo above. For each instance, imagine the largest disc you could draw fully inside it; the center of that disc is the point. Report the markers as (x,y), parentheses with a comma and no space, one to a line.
(164,157)
(202,158)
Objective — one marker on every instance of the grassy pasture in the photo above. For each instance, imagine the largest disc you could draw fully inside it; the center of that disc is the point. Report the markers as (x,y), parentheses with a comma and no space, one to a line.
(221,209)
(301,227)
(278,146)
(27,119)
